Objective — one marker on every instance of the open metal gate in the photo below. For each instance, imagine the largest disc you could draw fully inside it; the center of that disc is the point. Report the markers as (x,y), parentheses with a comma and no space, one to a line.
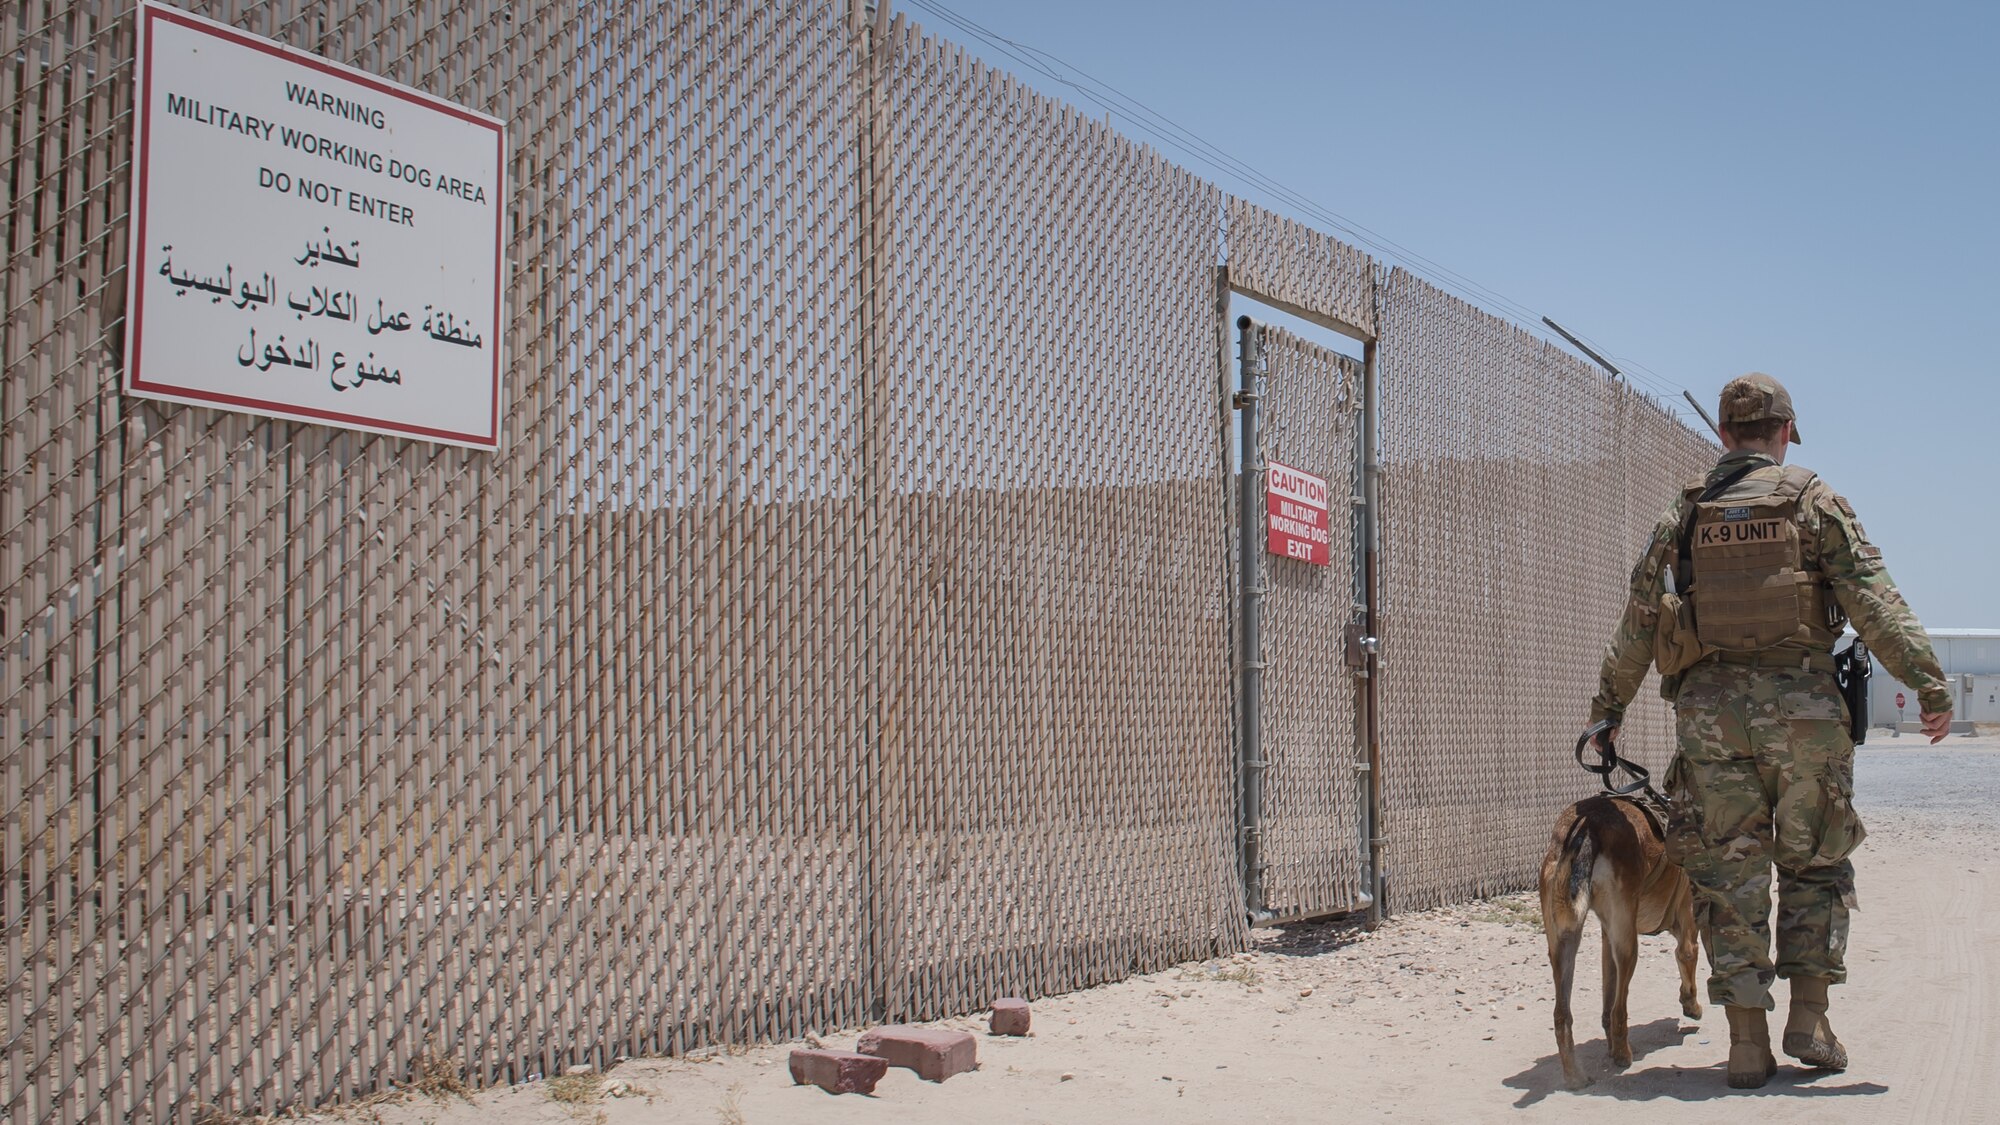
(1304,651)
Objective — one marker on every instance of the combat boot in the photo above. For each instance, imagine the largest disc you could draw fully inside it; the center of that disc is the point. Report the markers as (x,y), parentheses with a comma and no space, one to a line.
(1808,1037)
(1751,1063)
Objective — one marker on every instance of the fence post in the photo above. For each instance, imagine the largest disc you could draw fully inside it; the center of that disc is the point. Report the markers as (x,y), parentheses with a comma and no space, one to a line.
(884,981)
(1250,585)
(1371,702)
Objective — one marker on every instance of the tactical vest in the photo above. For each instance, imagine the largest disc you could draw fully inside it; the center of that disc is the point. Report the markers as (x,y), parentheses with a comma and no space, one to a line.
(1747,572)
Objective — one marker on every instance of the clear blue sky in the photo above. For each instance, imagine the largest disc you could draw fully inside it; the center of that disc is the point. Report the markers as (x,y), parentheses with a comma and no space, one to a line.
(1701,189)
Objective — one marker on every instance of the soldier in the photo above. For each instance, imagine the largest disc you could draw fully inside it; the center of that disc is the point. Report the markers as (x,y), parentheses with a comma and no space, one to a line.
(1740,596)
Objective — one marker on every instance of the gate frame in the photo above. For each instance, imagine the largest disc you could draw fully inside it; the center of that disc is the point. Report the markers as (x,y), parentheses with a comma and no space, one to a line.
(1241,397)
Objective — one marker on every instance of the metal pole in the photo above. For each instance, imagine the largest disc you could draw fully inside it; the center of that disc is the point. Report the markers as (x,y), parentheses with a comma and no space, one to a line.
(881,840)
(1704,414)
(1358,642)
(1250,585)
(1583,347)
(1371,481)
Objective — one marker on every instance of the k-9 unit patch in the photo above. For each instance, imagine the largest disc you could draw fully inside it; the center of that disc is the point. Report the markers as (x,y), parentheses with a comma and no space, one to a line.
(1749,531)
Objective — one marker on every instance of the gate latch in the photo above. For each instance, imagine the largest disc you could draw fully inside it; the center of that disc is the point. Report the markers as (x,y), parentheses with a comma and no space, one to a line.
(1360,646)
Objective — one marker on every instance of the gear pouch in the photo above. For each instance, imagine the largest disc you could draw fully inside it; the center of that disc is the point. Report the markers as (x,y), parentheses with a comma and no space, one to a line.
(1676,647)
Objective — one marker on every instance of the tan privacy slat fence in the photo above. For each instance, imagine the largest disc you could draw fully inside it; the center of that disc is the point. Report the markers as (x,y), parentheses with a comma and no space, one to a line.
(1518,486)
(842,631)
(1047,325)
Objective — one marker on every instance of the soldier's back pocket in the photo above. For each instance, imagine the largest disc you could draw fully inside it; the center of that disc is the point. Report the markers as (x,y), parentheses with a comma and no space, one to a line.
(1683,835)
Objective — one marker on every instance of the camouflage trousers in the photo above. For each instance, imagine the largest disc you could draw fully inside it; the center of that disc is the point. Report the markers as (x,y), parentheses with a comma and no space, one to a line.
(1764,777)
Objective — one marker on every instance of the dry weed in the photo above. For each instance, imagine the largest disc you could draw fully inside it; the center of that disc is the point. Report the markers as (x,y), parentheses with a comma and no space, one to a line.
(366,1108)
(432,1073)
(438,1075)
(206,1114)
(1522,911)
(576,1089)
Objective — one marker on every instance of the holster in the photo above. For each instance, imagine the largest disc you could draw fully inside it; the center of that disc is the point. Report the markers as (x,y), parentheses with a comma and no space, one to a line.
(1676,646)
(1851,669)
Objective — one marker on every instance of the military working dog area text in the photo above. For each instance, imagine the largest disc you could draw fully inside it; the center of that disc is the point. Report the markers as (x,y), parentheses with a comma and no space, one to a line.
(1442,1015)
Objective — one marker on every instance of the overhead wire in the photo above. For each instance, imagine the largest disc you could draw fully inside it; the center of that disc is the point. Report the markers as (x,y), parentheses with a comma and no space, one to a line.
(1209,154)
(1174,135)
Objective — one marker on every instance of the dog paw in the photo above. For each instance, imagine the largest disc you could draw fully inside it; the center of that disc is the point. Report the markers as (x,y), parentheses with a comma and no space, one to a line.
(1691,1011)
(1577,1081)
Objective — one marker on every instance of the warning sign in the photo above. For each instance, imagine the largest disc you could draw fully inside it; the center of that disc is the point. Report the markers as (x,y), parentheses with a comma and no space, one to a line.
(310,241)
(1295,504)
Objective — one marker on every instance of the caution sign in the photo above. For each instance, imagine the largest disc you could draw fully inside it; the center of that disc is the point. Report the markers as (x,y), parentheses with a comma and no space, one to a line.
(1295,504)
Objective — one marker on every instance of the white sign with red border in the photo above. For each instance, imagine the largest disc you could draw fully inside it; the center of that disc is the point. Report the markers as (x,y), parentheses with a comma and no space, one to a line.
(1295,503)
(310,241)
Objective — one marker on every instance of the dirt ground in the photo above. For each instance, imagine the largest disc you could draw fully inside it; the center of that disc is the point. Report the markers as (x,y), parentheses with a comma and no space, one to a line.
(1437,1016)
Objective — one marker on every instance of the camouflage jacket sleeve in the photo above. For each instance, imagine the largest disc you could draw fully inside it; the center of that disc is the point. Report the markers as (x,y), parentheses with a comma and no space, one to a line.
(1629,656)
(1869,596)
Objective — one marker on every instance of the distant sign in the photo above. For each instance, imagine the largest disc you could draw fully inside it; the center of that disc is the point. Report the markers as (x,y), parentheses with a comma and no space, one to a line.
(1899,699)
(310,241)
(1295,504)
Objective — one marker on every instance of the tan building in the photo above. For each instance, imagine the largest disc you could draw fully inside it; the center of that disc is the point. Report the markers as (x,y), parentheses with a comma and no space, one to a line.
(1971,662)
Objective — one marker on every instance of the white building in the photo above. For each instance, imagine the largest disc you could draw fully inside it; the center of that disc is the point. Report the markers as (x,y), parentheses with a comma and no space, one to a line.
(1971,662)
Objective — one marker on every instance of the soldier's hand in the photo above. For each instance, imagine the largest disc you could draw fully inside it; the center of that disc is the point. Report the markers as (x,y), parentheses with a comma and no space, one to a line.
(1937,724)
(1605,738)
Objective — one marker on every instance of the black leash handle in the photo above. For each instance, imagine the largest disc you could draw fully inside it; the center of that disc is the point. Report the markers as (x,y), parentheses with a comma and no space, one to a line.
(1608,762)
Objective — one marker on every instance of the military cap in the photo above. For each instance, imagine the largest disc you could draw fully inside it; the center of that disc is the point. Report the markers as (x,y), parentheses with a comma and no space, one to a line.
(1756,396)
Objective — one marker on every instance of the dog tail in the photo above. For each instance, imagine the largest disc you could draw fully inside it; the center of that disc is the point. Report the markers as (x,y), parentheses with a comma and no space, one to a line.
(1581,848)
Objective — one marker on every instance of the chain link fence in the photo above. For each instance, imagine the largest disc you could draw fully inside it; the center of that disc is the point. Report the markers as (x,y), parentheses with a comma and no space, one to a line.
(841,632)
(1518,487)
(1051,535)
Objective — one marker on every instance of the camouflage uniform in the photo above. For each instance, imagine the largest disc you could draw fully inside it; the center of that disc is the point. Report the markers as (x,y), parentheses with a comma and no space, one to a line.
(1765,769)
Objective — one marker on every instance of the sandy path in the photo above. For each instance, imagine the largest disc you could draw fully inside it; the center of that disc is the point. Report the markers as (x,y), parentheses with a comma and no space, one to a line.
(1444,1016)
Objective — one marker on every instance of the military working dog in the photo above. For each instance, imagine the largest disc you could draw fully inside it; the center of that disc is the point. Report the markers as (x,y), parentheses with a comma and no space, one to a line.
(1606,856)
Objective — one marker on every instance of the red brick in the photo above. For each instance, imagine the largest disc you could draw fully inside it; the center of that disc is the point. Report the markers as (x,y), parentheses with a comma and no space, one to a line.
(1010,1016)
(934,1054)
(838,1072)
